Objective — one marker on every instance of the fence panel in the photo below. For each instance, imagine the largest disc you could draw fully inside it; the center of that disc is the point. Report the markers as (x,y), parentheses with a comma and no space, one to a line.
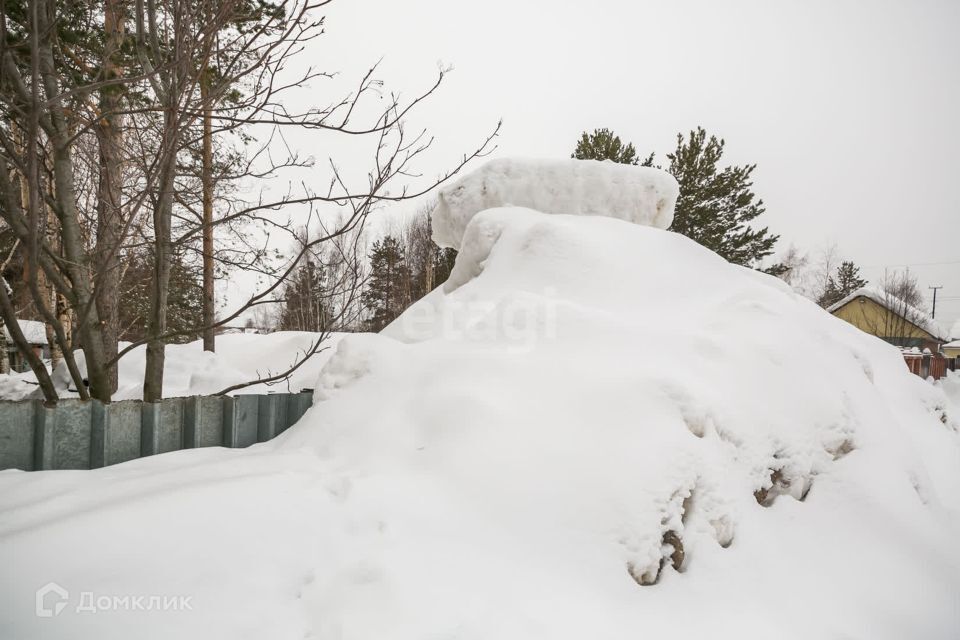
(914,363)
(71,435)
(938,368)
(929,365)
(171,425)
(202,422)
(16,435)
(241,416)
(77,434)
(123,431)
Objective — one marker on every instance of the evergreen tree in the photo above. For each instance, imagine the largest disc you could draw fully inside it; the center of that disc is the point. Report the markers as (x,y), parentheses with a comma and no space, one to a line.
(185,309)
(843,284)
(716,205)
(388,291)
(443,264)
(306,306)
(602,144)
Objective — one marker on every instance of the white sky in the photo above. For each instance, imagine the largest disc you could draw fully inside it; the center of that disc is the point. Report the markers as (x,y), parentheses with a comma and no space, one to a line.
(849,109)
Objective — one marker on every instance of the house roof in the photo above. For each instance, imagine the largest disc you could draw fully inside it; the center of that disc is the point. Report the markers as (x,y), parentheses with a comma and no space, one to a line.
(914,316)
(34,331)
(955,344)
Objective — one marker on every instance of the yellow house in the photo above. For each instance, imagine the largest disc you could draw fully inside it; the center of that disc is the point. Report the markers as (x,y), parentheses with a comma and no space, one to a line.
(889,318)
(952,349)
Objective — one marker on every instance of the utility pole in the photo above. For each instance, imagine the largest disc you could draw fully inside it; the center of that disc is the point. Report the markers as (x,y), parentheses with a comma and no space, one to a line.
(934,313)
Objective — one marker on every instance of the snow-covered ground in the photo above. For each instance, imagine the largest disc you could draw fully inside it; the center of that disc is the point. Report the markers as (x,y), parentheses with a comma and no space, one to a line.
(951,387)
(524,454)
(192,371)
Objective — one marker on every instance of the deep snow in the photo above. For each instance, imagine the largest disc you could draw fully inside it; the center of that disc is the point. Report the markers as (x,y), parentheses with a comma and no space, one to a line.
(510,458)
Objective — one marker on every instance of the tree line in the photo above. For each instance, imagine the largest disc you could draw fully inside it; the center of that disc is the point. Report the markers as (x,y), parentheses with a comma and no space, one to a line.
(133,135)
(400,268)
(715,208)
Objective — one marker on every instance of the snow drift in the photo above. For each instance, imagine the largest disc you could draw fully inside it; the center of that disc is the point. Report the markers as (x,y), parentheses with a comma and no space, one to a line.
(642,195)
(597,430)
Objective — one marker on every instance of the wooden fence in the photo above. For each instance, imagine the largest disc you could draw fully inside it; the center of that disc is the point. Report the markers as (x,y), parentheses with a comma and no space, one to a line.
(928,365)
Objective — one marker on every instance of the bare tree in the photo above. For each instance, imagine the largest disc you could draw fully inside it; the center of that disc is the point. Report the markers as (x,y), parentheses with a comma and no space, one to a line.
(795,264)
(143,112)
(904,301)
(421,251)
(30,92)
(818,280)
(902,317)
(430,264)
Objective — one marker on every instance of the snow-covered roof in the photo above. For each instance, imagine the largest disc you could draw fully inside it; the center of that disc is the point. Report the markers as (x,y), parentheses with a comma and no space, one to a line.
(913,315)
(955,344)
(33,330)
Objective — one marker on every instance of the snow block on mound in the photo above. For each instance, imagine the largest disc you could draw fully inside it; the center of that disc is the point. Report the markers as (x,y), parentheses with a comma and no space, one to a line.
(642,195)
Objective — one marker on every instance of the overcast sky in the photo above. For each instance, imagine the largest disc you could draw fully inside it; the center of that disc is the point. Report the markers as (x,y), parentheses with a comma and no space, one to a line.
(849,109)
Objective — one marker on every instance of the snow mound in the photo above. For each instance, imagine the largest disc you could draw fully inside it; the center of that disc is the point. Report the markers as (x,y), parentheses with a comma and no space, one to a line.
(642,195)
(951,387)
(598,430)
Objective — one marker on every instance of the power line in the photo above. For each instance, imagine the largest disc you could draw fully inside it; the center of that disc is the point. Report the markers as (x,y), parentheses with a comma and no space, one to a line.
(912,264)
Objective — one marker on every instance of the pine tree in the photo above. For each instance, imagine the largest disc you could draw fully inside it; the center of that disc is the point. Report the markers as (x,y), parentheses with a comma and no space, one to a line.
(185,309)
(602,144)
(848,278)
(306,307)
(716,205)
(846,282)
(443,263)
(388,291)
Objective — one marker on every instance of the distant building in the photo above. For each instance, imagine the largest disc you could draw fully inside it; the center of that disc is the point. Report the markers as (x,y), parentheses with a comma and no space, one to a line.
(952,349)
(891,319)
(36,334)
